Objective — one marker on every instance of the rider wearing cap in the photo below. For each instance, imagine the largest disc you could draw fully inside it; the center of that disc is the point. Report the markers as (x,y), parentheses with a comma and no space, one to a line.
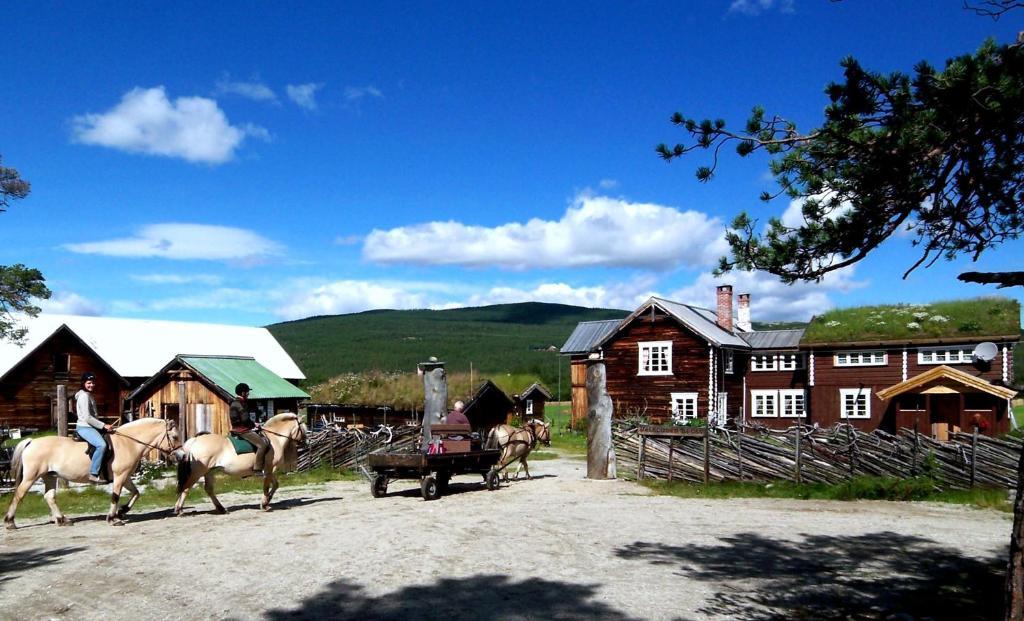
(243,427)
(89,425)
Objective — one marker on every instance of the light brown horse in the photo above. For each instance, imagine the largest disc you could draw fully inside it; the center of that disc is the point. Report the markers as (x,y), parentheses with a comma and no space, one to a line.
(55,458)
(517,442)
(208,452)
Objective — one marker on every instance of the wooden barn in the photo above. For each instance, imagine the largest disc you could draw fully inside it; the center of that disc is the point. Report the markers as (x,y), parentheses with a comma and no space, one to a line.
(28,389)
(488,407)
(529,404)
(196,391)
(123,353)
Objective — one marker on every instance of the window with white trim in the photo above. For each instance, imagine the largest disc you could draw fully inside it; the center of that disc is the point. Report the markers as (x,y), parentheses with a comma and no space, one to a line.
(854,403)
(792,403)
(684,406)
(861,358)
(655,358)
(776,362)
(529,407)
(729,363)
(765,403)
(945,355)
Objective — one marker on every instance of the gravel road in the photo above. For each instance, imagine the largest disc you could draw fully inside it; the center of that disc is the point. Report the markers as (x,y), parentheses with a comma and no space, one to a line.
(556,547)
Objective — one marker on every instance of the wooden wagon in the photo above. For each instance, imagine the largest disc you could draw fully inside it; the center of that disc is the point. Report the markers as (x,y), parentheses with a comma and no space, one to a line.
(435,470)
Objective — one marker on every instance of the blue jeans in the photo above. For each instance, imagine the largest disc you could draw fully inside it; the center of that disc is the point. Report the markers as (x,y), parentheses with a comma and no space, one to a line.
(95,438)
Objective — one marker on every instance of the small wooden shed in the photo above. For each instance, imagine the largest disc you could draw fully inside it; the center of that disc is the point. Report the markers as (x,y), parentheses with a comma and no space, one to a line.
(489,407)
(197,392)
(529,404)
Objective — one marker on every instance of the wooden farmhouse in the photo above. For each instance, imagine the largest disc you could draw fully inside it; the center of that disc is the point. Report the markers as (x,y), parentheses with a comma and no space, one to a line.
(203,387)
(675,362)
(529,404)
(123,353)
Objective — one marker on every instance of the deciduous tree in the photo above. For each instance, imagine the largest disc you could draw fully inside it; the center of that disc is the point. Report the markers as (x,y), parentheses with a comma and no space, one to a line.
(20,286)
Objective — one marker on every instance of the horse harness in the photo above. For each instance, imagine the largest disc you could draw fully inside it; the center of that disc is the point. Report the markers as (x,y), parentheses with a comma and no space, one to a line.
(167,436)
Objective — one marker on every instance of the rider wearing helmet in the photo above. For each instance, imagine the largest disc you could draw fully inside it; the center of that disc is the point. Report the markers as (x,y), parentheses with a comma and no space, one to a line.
(243,426)
(89,425)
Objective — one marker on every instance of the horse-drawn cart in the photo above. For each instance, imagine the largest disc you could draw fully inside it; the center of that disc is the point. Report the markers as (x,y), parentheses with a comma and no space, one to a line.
(435,470)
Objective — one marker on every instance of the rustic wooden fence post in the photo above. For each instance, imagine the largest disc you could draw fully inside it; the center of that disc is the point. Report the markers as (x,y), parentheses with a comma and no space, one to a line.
(671,456)
(640,458)
(183,410)
(849,448)
(913,453)
(974,455)
(799,437)
(707,454)
(739,450)
(600,450)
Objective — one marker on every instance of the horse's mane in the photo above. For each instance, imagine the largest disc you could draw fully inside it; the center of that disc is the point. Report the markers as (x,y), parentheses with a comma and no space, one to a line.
(139,422)
(280,418)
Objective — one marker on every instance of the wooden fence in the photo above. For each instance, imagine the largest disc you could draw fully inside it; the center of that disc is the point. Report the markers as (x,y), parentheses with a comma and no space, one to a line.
(814,455)
(348,448)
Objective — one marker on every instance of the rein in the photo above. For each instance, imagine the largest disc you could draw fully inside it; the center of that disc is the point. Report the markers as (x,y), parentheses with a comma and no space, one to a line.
(167,435)
(287,436)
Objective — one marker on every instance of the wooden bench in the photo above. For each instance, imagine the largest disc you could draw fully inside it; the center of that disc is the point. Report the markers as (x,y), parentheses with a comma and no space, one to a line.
(454,438)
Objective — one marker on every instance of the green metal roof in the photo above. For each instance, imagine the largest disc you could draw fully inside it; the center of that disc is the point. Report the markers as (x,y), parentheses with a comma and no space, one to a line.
(227,372)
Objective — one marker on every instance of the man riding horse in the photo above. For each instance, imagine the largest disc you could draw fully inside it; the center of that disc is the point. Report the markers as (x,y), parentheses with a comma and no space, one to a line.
(243,426)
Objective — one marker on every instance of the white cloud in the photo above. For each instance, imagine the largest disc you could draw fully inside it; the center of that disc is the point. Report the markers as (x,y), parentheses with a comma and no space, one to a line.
(146,121)
(186,241)
(178,279)
(255,90)
(756,7)
(348,240)
(594,231)
(214,299)
(608,184)
(355,93)
(352,296)
(303,95)
(69,303)
(770,299)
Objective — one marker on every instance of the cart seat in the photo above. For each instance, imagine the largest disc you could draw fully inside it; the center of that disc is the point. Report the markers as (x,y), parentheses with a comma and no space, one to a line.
(455,438)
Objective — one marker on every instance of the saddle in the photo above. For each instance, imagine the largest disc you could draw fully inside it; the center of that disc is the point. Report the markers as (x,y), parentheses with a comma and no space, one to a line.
(106,471)
(242,446)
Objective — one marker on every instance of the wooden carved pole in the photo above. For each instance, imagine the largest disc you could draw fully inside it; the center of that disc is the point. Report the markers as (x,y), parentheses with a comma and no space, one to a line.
(600,450)
(435,394)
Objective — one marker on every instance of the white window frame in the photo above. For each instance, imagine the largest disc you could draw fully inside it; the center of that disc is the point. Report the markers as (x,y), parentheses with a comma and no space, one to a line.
(949,355)
(856,394)
(771,397)
(729,362)
(777,362)
(689,406)
(650,347)
(789,410)
(529,407)
(861,358)
(790,362)
(763,362)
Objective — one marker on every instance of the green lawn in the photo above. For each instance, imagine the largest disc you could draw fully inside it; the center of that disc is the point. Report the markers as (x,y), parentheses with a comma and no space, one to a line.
(563,438)
(96,500)
(1018,413)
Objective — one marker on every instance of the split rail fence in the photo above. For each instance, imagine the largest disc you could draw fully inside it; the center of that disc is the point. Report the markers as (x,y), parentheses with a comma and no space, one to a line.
(814,455)
(348,448)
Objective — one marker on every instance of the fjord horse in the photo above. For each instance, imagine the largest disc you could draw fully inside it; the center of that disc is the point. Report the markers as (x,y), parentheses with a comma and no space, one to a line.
(516,443)
(55,458)
(208,452)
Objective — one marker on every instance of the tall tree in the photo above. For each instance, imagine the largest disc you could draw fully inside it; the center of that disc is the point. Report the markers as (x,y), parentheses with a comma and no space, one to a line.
(940,153)
(20,286)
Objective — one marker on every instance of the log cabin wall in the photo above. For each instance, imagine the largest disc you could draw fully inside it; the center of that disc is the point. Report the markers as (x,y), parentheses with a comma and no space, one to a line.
(650,395)
(732,385)
(29,391)
(578,391)
(777,380)
(161,401)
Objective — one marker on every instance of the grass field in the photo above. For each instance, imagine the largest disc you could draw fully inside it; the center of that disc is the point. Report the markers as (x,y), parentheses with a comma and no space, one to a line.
(96,500)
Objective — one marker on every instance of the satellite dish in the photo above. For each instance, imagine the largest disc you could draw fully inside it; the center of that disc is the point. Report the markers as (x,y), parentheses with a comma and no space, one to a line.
(985,352)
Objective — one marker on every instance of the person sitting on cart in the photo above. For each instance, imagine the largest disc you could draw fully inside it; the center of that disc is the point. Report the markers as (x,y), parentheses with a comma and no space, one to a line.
(243,426)
(456,416)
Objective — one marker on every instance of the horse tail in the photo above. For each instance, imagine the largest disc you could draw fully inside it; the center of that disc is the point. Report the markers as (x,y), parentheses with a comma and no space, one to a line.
(184,471)
(17,468)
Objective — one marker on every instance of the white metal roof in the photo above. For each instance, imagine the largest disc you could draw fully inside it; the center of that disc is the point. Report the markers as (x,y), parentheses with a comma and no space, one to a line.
(141,347)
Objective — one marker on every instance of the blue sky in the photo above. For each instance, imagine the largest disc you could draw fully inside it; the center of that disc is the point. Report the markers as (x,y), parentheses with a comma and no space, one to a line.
(255,162)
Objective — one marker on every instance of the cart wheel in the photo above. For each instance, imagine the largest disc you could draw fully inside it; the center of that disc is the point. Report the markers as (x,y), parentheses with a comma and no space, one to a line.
(491,479)
(429,488)
(379,486)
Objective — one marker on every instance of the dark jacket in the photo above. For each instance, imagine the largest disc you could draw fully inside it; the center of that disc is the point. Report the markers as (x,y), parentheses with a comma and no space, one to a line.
(239,415)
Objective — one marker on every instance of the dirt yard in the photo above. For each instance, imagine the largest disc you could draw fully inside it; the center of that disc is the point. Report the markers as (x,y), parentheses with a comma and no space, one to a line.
(556,547)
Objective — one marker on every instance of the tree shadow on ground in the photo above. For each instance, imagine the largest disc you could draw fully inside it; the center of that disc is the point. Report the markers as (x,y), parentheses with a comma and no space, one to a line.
(13,563)
(882,575)
(482,598)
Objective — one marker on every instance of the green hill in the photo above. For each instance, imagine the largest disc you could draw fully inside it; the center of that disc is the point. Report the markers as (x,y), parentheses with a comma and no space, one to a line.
(500,339)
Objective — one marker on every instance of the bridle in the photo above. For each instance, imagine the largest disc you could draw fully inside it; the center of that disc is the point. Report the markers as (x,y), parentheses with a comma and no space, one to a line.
(167,436)
(287,436)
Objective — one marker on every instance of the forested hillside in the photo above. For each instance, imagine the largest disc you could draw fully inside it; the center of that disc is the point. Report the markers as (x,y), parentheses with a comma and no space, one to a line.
(506,338)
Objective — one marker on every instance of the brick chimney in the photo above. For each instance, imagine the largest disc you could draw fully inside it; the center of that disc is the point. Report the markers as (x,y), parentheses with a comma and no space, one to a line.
(743,313)
(725,307)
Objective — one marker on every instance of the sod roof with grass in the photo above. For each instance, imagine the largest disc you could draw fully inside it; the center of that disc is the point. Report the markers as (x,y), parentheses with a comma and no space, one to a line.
(954,321)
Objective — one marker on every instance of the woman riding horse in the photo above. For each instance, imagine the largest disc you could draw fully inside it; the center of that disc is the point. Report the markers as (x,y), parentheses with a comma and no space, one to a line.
(54,457)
